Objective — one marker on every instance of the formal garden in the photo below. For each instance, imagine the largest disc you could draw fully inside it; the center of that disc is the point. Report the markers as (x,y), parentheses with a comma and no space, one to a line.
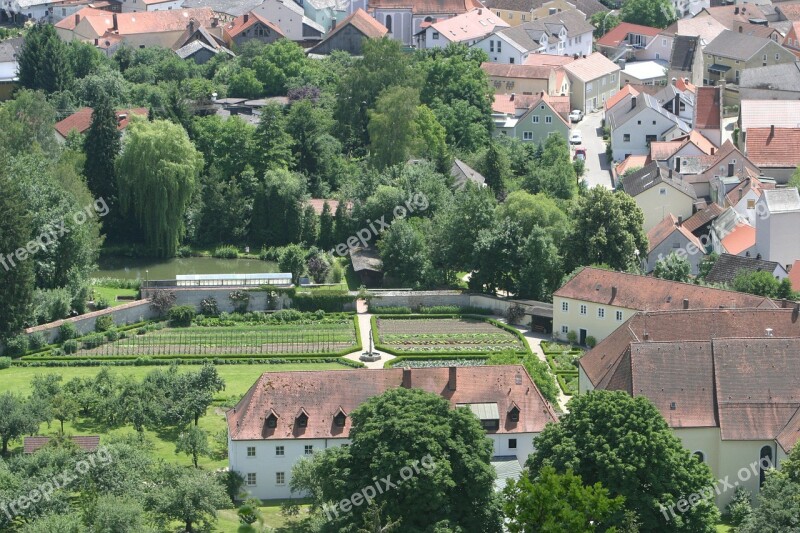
(563,361)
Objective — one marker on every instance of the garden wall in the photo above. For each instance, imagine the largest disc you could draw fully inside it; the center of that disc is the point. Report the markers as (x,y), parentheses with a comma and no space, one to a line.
(123,314)
(258,298)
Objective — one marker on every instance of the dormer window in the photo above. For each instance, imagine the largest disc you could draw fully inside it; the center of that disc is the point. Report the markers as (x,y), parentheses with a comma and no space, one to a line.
(513,414)
(340,418)
(272,421)
(302,418)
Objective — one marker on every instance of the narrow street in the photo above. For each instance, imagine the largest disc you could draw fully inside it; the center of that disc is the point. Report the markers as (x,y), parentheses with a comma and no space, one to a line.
(597,168)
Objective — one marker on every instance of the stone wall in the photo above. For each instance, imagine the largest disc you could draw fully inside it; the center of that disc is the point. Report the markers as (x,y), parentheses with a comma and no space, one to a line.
(128,313)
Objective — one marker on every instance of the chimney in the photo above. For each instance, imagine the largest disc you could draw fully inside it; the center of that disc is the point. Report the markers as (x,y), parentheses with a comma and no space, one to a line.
(674,81)
(713,150)
(613,292)
(670,173)
(114,19)
(406,378)
(680,221)
(686,303)
(740,29)
(772,130)
(451,378)
(768,332)
(480,12)
(246,17)
(741,193)
(736,11)
(646,336)
(513,95)
(633,102)
(77,18)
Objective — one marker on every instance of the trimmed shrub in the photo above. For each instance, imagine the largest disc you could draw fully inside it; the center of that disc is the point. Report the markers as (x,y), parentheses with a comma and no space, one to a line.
(514,314)
(5,362)
(209,306)
(390,310)
(225,252)
(103,323)
(113,335)
(67,331)
(240,301)
(93,340)
(36,341)
(101,303)
(17,346)
(591,342)
(181,316)
(70,346)
(572,337)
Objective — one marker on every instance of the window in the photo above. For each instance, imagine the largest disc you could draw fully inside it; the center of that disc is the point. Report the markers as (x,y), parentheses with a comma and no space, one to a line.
(308,449)
(565,306)
(583,309)
(388,23)
(302,420)
(491,45)
(514,414)
(603,83)
(340,419)
(777,57)
(491,424)
(272,421)
(658,56)
(619,316)
(676,245)
(654,123)
(510,16)
(601,312)
(499,46)
(511,60)
(527,135)
(535,119)
(512,444)
(626,138)
(524,18)
(251,478)
(564,329)
(435,36)
(751,204)
(589,87)
(251,451)
(638,122)
(613,78)
(765,57)
(765,462)
(280,478)
(279,451)
(548,120)
(664,42)
(700,456)
(650,138)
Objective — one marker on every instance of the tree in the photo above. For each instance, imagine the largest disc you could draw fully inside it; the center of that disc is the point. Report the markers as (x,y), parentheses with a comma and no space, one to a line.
(404,252)
(794,181)
(64,408)
(43,61)
(532,210)
(654,13)
(310,231)
(273,145)
(552,172)
(277,63)
(608,229)
(293,259)
(558,503)
(306,124)
(392,126)
(188,495)
(101,145)
(777,510)
(194,443)
(760,283)
(624,443)
(16,280)
(278,209)
(707,264)
(245,84)
(18,419)
(604,22)
(326,238)
(118,515)
(27,121)
(157,173)
(432,140)
(496,168)
(673,267)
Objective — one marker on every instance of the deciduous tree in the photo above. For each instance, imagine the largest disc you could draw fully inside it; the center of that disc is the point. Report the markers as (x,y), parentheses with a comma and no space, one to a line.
(654,13)
(673,268)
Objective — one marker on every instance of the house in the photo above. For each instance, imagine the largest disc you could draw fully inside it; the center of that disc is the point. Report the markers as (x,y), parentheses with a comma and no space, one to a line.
(81,120)
(645,72)
(404,18)
(21,11)
(199,45)
(774,150)
(725,381)
(225,9)
(326,13)
(467,28)
(741,195)
(659,192)
(774,82)
(744,19)
(699,224)
(776,230)
(702,170)
(286,416)
(788,11)
(516,12)
(668,152)
(708,113)
(686,59)
(526,79)
(731,53)
(250,26)
(670,237)
(463,174)
(635,42)
(594,80)
(9,50)
(595,302)
(731,233)
(794,275)
(544,116)
(766,113)
(87,443)
(367,265)
(290,18)
(565,33)
(705,28)
(792,39)
(139,6)
(637,121)
(728,266)
(350,33)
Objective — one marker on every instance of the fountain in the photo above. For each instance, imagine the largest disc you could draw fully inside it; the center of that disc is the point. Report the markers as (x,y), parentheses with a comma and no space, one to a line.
(370,354)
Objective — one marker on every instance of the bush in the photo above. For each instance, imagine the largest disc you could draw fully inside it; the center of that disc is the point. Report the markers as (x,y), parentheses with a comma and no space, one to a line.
(67,331)
(113,335)
(36,341)
(591,342)
(17,346)
(739,509)
(116,283)
(240,301)
(93,340)
(70,346)
(514,314)
(101,303)
(336,273)
(181,316)
(162,301)
(5,362)
(390,310)
(287,315)
(50,305)
(209,306)
(225,252)
(572,337)
(104,323)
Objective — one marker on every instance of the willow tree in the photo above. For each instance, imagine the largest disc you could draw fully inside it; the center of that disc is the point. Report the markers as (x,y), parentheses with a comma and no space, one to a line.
(157,172)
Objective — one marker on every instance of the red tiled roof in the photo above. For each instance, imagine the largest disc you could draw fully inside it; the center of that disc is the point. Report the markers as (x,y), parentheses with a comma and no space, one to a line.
(683,85)
(618,34)
(505,70)
(707,108)
(663,150)
(473,24)
(790,11)
(363,22)
(619,96)
(240,24)
(741,238)
(87,443)
(82,119)
(162,21)
(322,394)
(770,149)
(746,185)
(667,227)
(702,217)
(319,204)
(69,23)
(632,291)
(427,7)
(794,275)
(547,60)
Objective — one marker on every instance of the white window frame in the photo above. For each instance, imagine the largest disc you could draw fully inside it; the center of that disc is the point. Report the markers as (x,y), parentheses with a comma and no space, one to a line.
(280,451)
(252,479)
(308,449)
(601,312)
(280,478)
(548,120)
(527,135)
(565,329)
(251,449)
(584,309)
(620,316)
(535,119)
(565,307)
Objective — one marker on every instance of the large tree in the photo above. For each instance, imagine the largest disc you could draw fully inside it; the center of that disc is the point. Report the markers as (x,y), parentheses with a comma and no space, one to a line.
(273,145)
(26,121)
(157,173)
(624,443)
(101,145)
(404,252)
(655,13)
(608,229)
(673,267)
(188,495)
(278,209)
(19,418)
(16,280)
(778,507)
(392,126)
(43,61)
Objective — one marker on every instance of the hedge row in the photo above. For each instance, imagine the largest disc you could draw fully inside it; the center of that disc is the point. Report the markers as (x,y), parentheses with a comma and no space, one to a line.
(394,363)
(563,384)
(161,361)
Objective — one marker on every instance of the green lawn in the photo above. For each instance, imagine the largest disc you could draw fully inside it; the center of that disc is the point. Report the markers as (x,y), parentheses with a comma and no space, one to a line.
(228,522)
(110,294)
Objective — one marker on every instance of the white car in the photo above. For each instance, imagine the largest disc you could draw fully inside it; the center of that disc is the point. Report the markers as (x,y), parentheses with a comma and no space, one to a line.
(575,137)
(576,115)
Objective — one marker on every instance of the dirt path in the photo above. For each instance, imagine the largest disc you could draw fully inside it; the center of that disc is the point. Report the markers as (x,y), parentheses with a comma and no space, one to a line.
(365,325)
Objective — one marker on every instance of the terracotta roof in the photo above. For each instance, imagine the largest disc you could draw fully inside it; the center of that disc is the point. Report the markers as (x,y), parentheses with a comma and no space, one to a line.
(548,60)
(741,238)
(473,24)
(702,142)
(319,204)
(790,11)
(746,185)
(614,37)
(620,95)
(632,291)
(322,394)
(707,111)
(702,217)
(87,443)
(162,21)
(684,325)
(240,24)
(728,266)
(509,103)
(790,434)
(68,23)
(505,70)
(427,7)
(652,175)
(591,67)
(684,85)
(363,22)
(794,275)
(732,16)
(663,150)
(82,119)
(769,149)
(631,162)
(667,227)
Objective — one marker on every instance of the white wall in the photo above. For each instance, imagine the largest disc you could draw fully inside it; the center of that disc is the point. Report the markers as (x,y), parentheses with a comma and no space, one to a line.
(637,145)
(574,320)
(776,236)
(507,54)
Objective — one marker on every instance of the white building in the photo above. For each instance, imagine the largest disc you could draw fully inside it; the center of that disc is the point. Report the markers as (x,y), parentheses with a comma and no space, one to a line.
(467,28)
(286,416)
(777,221)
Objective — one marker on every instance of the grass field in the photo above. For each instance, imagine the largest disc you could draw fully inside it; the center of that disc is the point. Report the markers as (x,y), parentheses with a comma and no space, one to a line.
(432,335)
(110,294)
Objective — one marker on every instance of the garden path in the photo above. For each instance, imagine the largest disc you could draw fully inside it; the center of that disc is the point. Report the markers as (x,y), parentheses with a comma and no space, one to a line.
(365,325)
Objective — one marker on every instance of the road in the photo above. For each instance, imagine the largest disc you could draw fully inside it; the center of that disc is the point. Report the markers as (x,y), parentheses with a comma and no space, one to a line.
(597,168)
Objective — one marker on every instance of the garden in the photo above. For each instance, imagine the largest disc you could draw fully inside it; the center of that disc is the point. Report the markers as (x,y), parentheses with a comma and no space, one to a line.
(563,361)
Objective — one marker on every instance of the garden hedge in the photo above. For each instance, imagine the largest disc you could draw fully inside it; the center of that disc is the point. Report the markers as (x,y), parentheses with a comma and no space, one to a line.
(161,361)
(394,363)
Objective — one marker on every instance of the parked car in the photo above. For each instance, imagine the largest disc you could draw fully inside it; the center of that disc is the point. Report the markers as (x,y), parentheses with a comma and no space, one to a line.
(576,115)
(575,137)
(580,153)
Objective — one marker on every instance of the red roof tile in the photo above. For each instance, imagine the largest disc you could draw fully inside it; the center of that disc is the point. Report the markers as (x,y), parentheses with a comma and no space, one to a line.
(794,275)
(667,227)
(322,394)
(618,34)
(505,70)
(162,21)
(427,7)
(87,443)
(547,60)
(707,111)
(82,119)
(741,238)
(619,96)
(773,148)
(240,24)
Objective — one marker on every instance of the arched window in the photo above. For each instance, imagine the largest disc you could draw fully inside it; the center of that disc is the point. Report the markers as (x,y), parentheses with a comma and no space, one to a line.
(764,463)
(388,23)
(700,456)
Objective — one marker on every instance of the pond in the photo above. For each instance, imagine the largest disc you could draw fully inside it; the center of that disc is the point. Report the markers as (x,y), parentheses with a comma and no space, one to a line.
(134,268)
